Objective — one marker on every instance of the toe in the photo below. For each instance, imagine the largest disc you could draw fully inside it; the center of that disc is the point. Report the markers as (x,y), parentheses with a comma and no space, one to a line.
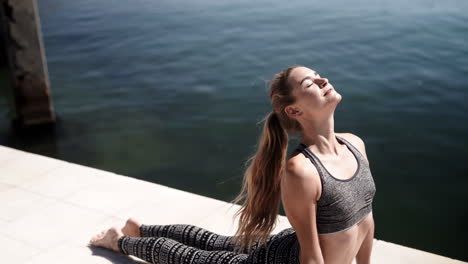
(92,239)
(97,236)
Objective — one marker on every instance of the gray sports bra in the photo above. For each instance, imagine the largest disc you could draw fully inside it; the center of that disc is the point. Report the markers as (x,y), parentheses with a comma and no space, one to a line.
(342,203)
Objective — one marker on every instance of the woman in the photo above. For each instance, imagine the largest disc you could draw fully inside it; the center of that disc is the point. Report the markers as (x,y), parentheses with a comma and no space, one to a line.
(326,188)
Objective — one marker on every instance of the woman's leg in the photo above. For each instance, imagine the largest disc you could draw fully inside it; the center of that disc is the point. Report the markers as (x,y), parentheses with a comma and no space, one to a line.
(163,250)
(282,249)
(194,236)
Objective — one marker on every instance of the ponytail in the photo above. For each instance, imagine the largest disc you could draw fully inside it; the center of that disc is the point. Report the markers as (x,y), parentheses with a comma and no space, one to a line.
(261,190)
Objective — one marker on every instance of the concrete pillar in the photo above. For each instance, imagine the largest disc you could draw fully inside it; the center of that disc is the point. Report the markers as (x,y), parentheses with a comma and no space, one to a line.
(24,54)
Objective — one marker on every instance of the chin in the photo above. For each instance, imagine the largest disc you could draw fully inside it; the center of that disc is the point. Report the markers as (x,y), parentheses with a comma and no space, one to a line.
(336,98)
(337,95)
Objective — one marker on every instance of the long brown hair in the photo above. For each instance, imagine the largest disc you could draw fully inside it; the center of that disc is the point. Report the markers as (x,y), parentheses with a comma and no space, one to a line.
(261,190)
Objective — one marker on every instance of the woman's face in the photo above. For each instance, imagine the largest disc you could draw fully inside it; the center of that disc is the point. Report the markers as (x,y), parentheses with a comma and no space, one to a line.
(313,93)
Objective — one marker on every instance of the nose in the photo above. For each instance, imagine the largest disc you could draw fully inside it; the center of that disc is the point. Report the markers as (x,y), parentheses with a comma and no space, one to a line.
(321,82)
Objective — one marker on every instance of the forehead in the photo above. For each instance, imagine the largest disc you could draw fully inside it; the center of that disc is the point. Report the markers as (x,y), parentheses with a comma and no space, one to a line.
(298,74)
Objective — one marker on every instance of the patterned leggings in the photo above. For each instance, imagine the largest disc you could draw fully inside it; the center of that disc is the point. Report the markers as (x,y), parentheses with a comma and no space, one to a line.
(189,244)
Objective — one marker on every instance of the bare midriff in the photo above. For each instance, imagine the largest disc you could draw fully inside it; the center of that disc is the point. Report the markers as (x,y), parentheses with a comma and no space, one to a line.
(342,247)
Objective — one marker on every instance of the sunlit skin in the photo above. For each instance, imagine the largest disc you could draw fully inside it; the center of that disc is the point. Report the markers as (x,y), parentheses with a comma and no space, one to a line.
(108,238)
(315,112)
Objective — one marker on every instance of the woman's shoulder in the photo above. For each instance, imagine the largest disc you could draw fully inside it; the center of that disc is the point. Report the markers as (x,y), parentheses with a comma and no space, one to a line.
(300,174)
(298,165)
(296,158)
(355,140)
(351,138)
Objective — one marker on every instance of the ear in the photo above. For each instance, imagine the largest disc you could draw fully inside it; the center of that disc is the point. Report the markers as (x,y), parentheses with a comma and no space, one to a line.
(292,111)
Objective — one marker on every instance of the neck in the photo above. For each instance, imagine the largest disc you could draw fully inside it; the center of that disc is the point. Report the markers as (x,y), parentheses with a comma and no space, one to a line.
(321,134)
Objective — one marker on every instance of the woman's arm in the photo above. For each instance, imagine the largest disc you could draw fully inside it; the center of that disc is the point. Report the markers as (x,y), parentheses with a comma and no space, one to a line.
(299,195)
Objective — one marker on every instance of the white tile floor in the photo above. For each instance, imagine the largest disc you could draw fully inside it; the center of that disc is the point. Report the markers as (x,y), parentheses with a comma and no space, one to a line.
(49,209)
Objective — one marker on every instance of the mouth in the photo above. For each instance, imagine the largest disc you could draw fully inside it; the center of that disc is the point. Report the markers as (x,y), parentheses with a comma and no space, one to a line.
(328,91)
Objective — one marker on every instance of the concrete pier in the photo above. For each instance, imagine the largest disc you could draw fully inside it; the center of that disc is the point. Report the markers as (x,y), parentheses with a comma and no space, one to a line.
(49,209)
(24,57)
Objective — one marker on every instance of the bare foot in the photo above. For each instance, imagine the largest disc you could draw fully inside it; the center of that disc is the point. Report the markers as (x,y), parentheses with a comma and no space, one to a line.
(132,228)
(107,238)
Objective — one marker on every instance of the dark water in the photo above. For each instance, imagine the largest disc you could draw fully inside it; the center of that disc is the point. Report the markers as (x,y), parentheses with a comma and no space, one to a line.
(171,92)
